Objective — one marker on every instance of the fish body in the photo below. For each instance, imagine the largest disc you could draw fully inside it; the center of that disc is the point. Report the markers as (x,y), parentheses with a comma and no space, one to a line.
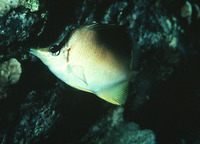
(95,59)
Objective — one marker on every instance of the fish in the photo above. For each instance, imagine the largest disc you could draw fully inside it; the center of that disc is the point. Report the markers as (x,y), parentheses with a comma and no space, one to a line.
(95,58)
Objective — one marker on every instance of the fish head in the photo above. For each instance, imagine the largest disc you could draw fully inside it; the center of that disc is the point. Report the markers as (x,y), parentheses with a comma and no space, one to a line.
(54,61)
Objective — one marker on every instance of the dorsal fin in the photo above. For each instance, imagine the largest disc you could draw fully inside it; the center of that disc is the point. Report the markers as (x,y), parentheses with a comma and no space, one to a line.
(102,26)
(116,94)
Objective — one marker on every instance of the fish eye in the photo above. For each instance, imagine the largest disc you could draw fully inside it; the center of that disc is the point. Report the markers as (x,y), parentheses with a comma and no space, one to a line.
(55,50)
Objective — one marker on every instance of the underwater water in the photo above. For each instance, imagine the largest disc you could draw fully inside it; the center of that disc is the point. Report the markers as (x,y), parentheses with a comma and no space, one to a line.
(158,104)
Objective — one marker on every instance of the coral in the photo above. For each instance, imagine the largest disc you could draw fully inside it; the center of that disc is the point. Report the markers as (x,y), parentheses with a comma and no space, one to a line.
(19,20)
(17,26)
(33,5)
(6,5)
(10,72)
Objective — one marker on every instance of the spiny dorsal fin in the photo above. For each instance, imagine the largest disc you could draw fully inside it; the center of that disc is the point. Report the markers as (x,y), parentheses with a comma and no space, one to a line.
(97,26)
(116,94)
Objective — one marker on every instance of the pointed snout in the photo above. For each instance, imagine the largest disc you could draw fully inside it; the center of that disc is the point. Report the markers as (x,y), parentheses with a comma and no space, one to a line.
(38,52)
(33,51)
(44,55)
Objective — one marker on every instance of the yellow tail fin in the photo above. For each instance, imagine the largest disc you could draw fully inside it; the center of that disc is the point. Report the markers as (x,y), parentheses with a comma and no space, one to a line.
(116,94)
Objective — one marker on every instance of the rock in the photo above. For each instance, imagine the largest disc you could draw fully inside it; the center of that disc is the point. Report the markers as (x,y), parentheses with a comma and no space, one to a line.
(186,11)
(36,118)
(7,5)
(164,95)
(33,5)
(113,129)
(23,18)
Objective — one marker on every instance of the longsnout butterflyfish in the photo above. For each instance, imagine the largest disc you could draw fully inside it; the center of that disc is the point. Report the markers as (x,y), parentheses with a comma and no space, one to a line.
(96,58)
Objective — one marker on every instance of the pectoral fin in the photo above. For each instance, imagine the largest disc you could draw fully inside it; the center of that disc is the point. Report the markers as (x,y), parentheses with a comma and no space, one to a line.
(78,71)
(116,94)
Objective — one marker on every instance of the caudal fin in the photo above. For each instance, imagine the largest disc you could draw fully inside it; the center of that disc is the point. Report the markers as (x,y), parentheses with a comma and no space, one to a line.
(116,94)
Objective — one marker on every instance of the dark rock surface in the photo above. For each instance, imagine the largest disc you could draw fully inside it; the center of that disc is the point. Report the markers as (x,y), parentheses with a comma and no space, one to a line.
(112,128)
(164,101)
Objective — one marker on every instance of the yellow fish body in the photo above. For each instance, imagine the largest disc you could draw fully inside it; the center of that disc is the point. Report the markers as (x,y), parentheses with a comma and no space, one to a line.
(96,59)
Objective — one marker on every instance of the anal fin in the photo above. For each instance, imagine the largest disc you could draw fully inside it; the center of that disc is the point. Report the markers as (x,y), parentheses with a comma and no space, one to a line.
(116,94)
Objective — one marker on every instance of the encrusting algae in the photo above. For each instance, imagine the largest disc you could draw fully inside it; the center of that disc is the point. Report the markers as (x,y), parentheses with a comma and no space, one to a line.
(96,59)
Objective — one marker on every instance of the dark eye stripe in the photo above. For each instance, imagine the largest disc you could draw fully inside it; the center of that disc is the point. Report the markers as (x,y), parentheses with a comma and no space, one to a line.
(55,49)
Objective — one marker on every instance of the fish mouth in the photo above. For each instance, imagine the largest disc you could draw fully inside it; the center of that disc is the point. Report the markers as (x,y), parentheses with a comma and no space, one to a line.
(38,52)
(43,54)
(33,51)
